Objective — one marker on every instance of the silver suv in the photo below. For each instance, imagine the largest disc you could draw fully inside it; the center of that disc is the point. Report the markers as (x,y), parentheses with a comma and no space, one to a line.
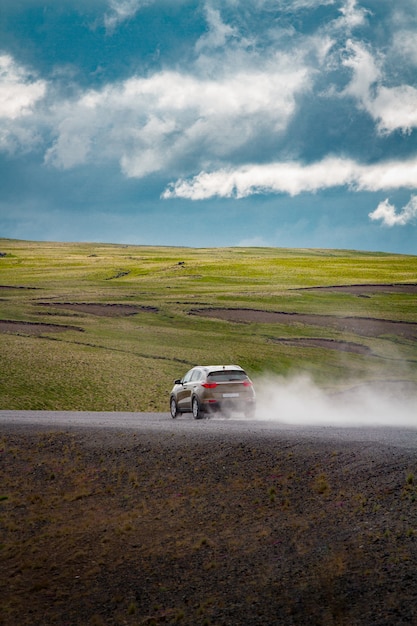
(213,388)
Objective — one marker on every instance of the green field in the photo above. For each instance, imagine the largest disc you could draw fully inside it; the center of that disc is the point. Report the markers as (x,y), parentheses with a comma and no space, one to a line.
(118,362)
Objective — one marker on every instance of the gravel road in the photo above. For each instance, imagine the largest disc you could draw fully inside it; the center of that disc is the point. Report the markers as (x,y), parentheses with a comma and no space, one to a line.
(163,424)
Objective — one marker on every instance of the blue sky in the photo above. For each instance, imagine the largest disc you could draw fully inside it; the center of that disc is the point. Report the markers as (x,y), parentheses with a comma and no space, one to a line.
(210,123)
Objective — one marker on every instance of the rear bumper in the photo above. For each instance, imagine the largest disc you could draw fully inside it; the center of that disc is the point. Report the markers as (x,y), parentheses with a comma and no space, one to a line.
(229,404)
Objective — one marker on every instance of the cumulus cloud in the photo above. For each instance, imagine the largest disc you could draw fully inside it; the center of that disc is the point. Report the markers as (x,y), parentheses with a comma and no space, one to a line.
(393,108)
(220,110)
(19,90)
(149,123)
(387,213)
(227,100)
(294,178)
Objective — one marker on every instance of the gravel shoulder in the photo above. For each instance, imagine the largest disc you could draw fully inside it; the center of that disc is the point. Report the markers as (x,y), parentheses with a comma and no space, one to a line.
(108,526)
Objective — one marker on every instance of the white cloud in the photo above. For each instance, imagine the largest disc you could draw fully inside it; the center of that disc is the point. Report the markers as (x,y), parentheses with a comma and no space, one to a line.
(365,71)
(218,110)
(387,213)
(393,108)
(294,178)
(18,138)
(122,10)
(218,32)
(352,15)
(150,123)
(19,91)
(296,5)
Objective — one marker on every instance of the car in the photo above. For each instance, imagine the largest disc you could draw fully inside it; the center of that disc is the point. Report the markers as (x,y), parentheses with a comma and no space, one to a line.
(206,389)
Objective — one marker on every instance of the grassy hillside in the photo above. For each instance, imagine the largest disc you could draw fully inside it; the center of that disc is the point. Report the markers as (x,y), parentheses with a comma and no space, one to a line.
(57,354)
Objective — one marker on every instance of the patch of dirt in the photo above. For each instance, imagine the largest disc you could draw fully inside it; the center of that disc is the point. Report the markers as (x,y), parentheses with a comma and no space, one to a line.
(17,287)
(366,326)
(328,344)
(410,288)
(33,328)
(103,309)
(108,527)
(119,275)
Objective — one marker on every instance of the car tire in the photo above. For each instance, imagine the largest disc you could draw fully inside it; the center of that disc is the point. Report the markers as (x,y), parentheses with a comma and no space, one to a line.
(250,412)
(173,407)
(196,408)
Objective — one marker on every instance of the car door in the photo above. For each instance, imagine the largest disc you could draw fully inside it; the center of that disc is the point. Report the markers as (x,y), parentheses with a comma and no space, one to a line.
(184,394)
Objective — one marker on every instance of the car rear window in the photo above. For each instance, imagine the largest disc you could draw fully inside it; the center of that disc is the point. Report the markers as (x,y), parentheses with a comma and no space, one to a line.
(226,376)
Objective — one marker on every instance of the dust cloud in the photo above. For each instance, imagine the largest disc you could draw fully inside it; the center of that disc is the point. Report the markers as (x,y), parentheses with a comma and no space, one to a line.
(298,400)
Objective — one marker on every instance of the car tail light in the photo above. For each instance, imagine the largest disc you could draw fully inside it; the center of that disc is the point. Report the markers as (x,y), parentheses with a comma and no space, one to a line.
(247,383)
(209,385)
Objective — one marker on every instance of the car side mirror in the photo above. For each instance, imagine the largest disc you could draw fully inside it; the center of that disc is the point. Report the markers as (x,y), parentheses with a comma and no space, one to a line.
(178,381)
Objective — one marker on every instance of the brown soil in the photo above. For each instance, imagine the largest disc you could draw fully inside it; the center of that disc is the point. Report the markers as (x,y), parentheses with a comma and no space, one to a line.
(328,344)
(367,326)
(16,287)
(106,310)
(33,328)
(39,328)
(109,527)
(410,288)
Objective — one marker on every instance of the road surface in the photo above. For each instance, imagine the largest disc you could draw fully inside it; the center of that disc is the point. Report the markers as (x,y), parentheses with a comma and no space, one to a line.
(163,424)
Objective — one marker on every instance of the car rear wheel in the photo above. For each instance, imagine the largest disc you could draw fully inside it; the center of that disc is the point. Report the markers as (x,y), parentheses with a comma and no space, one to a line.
(196,408)
(174,408)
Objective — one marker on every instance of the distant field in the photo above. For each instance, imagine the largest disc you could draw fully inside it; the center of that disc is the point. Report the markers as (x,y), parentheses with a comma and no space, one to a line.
(108,327)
